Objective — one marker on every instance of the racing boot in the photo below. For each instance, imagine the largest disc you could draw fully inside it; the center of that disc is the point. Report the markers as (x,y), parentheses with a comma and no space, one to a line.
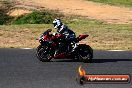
(74,48)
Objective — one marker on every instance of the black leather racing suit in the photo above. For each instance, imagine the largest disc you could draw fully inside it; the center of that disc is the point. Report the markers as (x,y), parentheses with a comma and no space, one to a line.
(69,34)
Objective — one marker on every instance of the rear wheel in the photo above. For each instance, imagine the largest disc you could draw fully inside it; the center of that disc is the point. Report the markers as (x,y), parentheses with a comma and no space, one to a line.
(43,54)
(85,53)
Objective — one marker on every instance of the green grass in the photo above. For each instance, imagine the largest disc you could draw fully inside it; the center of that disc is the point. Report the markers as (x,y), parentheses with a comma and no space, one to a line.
(127,3)
(102,36)
(5,6)
(36,17)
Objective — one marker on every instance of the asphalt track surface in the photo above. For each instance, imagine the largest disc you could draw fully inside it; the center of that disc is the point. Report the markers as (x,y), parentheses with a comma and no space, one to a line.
(19,68)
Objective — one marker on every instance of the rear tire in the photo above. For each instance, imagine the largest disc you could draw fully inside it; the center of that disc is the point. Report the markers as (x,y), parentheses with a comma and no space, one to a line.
(85,53)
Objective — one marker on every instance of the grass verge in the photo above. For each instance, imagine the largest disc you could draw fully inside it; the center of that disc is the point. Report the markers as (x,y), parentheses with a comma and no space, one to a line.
(36,17)
(102,36)
(127,3)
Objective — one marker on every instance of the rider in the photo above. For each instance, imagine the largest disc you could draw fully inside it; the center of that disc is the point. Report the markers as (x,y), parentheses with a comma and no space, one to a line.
(63,29)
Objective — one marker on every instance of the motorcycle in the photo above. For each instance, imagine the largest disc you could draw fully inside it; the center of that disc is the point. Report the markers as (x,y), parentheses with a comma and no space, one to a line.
(54,46)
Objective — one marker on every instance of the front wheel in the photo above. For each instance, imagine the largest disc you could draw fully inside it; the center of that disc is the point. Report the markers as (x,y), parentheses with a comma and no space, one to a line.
(85,53)
(43,54)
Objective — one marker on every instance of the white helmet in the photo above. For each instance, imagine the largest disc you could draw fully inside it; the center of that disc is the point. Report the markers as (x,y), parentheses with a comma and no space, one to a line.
(57,23)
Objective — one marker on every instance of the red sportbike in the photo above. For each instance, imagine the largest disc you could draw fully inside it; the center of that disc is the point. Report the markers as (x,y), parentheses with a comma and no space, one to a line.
(55,47)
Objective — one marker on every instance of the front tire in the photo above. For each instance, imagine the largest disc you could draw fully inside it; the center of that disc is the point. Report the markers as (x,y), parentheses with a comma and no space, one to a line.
(43,54)
(38,48)
(85,53)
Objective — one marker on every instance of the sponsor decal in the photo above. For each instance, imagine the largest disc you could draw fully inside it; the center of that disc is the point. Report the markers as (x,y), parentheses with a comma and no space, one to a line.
(83,78)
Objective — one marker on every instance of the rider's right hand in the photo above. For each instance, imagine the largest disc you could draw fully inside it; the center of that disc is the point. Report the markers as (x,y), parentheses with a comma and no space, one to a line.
(54,33)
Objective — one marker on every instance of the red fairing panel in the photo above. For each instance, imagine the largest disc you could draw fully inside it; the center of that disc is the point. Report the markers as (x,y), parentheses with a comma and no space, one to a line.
(60,56)
(80,37)
(46,37)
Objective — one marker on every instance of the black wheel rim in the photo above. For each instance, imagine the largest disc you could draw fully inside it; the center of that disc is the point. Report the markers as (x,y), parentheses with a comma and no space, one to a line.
(85,55)
(43,54)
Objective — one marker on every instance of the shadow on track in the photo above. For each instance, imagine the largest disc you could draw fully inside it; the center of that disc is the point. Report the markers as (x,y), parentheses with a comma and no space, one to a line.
(65,60)
(109,60)
(101,56)
(94,60)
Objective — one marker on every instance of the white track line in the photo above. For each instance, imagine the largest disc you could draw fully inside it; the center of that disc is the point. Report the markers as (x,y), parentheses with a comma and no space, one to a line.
(116,50)
(26,48)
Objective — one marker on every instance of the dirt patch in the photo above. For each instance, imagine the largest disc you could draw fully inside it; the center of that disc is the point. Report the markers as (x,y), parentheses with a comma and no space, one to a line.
(110,14)
(18,12)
